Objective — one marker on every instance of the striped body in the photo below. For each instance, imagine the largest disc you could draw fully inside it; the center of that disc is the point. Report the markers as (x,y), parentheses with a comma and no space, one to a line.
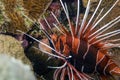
(86,58)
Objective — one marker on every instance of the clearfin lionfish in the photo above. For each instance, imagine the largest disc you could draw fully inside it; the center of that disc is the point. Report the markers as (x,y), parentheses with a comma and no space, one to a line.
(82,49)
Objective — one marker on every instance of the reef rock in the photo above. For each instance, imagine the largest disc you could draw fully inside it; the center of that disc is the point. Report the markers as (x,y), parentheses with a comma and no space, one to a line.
(13,69)
(11,46)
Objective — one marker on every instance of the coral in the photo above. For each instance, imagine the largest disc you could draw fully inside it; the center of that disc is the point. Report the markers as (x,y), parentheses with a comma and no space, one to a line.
(12,47)
(13,69)
(106,4)
(1,16)
(35,8)
(16,10)
(16,20)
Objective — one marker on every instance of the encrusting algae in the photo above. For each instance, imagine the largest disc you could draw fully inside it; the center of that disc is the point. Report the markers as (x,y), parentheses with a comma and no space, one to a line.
(30,8)
(35,8)
(16,20)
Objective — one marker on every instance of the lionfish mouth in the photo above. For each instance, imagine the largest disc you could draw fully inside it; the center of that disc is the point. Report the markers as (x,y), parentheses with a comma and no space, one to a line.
(83,49)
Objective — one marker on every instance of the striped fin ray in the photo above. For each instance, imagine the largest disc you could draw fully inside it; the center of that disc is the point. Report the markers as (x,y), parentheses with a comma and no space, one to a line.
(98,16)
(93,34)
(106,36)
(112,41)
(56,73)
(63,74)
(87,31)
(67,15)
(48,24)
(89,22)
(104,28)
(47,34)
(81,76)
(110,45)
(69,71)
(59,55)
(42,28)
(84,20)
(63,31)
(77,18)
(70,77)
(104,15)
(72,28)
(59,66)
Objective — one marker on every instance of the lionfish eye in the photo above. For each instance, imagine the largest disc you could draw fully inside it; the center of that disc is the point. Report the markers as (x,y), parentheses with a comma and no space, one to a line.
(69,57)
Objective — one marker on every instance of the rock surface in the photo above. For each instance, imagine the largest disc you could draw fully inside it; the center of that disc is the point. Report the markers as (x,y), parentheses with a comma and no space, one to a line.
(10,46)
(13,69)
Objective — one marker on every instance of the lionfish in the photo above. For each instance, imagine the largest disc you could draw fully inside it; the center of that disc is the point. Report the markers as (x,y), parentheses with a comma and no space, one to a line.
(82,49)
